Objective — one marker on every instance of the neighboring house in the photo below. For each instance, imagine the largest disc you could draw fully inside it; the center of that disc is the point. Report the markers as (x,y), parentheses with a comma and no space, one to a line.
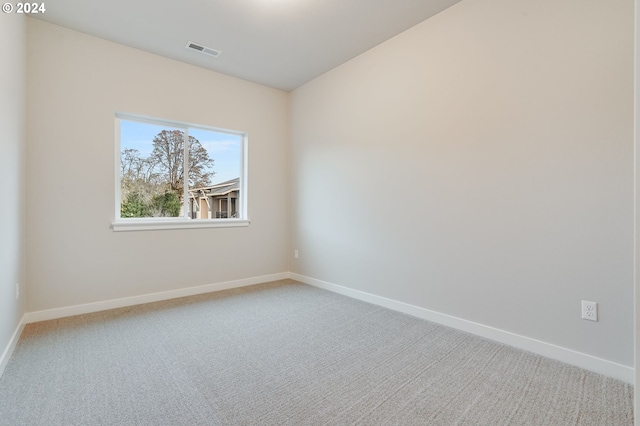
(218,201)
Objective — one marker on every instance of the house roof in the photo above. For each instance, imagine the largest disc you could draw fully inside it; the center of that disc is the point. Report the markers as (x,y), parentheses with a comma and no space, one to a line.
(219,189)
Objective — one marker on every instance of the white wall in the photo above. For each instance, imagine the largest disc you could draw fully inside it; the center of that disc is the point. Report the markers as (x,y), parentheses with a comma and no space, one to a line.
(76,84)
(12,142)
(480,165)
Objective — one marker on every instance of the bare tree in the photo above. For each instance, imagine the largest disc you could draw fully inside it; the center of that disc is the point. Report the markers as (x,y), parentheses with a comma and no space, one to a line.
(168,160)
(134,167)
(137,176)
(152,186)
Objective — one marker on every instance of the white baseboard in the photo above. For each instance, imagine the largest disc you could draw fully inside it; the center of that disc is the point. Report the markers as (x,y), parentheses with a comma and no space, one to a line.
(8,351)
(579,359)
(68,311)
(569,356)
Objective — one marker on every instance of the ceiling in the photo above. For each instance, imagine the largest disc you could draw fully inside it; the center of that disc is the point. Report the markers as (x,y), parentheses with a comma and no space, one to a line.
(277,43)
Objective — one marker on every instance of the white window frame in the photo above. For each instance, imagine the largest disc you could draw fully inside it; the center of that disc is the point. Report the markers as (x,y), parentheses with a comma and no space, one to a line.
(183,222)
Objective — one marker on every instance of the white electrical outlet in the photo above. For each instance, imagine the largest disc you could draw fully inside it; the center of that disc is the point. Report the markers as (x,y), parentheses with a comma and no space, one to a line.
(17,291)
(589,310)
(295,253)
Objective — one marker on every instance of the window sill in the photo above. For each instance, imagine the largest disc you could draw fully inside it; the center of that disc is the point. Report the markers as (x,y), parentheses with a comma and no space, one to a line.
(168,223)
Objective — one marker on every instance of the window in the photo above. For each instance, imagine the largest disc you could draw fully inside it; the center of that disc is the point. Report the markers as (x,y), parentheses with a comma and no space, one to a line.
(175,175)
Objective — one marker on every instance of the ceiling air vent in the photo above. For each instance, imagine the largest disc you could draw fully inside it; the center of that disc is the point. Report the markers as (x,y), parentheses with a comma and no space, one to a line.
(202,49)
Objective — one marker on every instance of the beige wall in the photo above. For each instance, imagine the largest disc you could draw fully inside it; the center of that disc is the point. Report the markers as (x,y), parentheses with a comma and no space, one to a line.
(500,132)
(498,135)
(76,84)
(12,142)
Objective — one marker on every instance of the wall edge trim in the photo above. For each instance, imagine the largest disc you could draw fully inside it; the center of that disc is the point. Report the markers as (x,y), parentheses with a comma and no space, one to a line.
(11,346)
(87,308)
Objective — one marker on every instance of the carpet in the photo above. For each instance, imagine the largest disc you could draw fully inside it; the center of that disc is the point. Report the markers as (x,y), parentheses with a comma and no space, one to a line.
(284,353)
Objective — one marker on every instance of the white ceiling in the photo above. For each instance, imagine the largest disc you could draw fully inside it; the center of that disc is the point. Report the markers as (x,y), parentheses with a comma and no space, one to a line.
(277,43)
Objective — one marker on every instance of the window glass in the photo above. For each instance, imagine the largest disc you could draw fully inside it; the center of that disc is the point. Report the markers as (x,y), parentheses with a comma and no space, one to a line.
(156,158)
(214,179)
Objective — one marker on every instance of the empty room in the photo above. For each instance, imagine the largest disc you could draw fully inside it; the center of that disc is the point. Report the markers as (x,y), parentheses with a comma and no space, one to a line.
(289,212)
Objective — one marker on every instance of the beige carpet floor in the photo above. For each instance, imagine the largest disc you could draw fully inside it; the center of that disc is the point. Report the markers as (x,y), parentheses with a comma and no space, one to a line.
(284,353)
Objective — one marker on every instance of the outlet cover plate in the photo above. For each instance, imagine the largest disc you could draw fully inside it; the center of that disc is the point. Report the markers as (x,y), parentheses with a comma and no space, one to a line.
(589,310)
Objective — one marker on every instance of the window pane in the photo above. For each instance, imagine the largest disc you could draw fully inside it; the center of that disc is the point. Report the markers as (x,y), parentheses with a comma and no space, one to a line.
(214,174)
(151,170)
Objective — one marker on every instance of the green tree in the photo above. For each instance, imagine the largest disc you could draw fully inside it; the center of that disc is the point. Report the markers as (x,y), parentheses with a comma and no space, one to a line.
(134,206)
(167,204)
